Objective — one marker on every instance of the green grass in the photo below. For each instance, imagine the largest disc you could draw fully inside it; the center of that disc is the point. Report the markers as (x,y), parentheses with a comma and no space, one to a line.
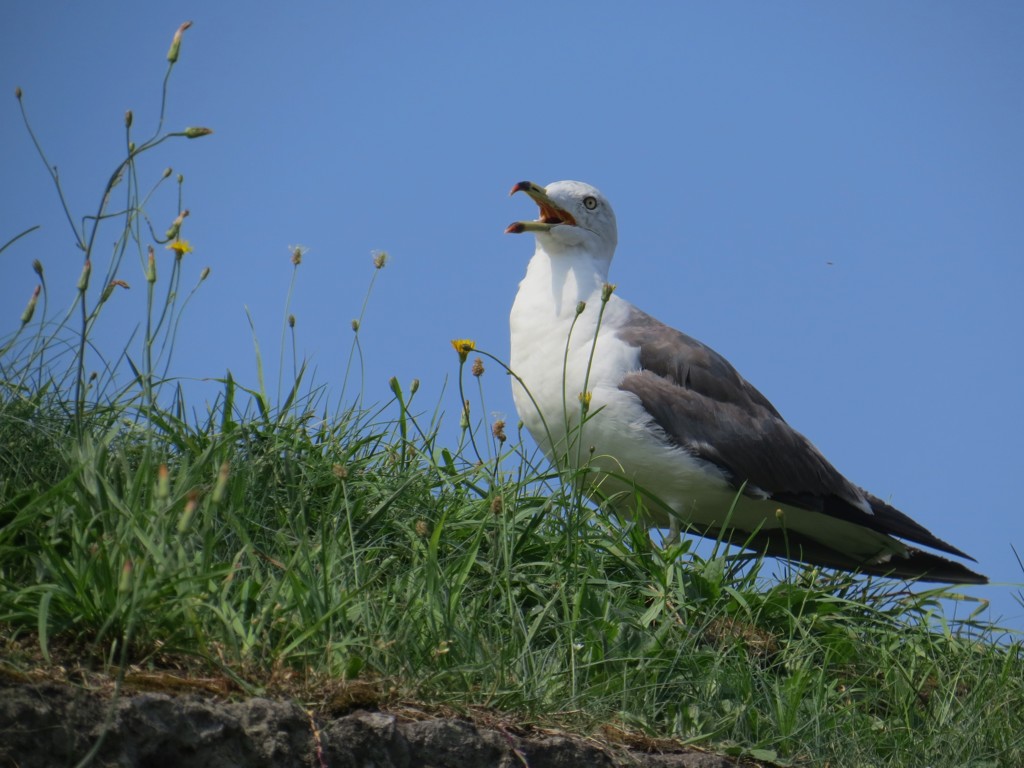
(325,547)
(290,546)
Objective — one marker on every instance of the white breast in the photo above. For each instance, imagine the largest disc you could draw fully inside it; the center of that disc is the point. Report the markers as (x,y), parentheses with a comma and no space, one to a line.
(555,355)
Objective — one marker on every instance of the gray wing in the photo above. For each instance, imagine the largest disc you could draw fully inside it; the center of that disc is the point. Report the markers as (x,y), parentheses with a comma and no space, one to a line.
(706,408)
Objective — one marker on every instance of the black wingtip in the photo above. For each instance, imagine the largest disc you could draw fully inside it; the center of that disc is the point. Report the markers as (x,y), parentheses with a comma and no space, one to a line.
(916,565)
(891,521)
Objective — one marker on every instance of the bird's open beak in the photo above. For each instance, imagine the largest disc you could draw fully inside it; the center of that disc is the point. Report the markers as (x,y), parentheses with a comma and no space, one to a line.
(550,214)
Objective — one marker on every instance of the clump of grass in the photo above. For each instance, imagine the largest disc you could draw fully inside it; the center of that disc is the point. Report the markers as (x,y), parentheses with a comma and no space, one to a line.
(315,547)
(54,354)
(293,541)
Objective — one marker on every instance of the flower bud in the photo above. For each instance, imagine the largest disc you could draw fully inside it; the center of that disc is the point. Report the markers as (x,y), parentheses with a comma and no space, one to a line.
(585,401)
(37,267)
(194,132)
(110,289)
(83,281)
(30,309)
(222,482)
(191,502)
(128,119)
(125,582)
(163,482)
(606,291)
(580,307)
(175,228)
(172,54)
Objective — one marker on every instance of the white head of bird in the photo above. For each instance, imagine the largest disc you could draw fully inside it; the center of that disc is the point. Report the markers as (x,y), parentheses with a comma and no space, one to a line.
(573,217)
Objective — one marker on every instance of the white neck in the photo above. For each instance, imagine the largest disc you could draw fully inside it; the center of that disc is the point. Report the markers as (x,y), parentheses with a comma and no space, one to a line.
(564,276)
(556,354)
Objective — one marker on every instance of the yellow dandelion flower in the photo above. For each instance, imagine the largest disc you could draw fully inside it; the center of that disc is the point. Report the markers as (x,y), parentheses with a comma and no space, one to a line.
(180,247)
(463,347)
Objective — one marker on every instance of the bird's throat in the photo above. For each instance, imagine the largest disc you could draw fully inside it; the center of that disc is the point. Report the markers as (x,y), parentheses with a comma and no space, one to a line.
(566,279)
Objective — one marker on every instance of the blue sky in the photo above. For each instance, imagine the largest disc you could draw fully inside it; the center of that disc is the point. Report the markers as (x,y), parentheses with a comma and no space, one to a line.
(829,194)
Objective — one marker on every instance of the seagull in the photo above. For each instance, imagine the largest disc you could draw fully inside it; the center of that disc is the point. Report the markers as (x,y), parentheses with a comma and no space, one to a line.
(662,428)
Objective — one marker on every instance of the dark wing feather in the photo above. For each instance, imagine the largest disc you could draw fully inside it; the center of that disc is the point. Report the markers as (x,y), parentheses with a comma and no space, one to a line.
(917,564)
(705,407)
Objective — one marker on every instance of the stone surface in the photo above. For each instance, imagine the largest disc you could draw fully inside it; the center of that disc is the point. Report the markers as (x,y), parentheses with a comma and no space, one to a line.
(49,724)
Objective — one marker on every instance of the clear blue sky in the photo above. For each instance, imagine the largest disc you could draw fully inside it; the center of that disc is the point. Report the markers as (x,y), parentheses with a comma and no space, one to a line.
(830,194)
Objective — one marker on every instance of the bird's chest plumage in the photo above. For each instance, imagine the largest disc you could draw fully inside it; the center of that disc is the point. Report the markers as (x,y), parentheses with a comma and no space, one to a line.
(569,366)
(560,356)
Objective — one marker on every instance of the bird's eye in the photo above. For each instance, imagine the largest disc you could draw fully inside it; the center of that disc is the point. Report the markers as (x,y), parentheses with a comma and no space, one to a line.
(590,202)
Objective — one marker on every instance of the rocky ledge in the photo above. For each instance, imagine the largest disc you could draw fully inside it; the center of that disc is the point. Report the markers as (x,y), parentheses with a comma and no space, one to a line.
(50,724)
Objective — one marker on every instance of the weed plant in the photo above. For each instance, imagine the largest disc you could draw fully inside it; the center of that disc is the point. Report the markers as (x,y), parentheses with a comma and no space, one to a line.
(303,547)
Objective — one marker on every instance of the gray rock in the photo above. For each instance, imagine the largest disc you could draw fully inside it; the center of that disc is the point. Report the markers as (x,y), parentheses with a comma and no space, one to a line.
(54,725)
